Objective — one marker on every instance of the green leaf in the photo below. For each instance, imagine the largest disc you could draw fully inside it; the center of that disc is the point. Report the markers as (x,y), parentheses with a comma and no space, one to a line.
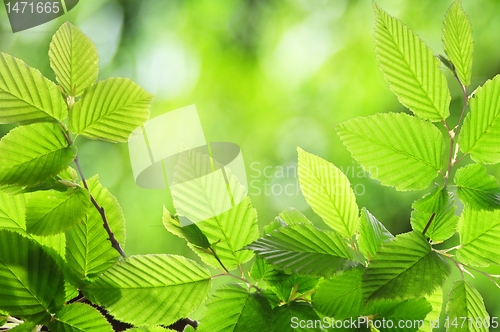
(51,212)
(340,296)
(397,315)
(479,237)
(410,68)
(74,59)
(397,149)
(372,234)
(303,249)
(465,309)
(261,270)
(458,42)
(480,133)
(190,232)
(233,308)
(26,96)
(25,327)
(436,302)
(288,317)
(476,188)
(292,216)
(79,317)
(151,329)
(89,251)
(110,110)
(31,283)
(33,153)
(290,286)
(151,290)
(327,190)
(403,268)
(440,206)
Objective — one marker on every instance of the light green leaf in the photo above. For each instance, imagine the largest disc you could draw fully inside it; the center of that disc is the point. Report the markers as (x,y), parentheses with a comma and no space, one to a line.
(397,315)
(441,204)
(74,59)
(465,309)
(372,234)
(303,249)
(234,308)
(327,190)
(287,318)
(397,149)
(151,290)
(436,302)
(458,42)
(292,216)
(340,296)
(110,110)
(150,329)
(403,268)
(26,96)
(89,251)
(290,286)
(480,133)
(261,270)
(410,68)
(31,283)
(33,153)
(51,212)
(190,232)
(79,317)
(479,237)
(476,188)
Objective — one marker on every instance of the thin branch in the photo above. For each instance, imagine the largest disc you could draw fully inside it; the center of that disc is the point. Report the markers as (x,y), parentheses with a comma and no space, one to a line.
(218,260)
(429,223)
(114,242)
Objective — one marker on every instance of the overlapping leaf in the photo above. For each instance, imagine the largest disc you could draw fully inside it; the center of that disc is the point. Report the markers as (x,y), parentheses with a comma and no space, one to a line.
(33,153)
(328,192)
(458,42)
(151,290)
(436,211)
(480,133)
(476,188)
(151,329)
(291,317)
(465,309)
(190,232)
(110,110)
(410,68)
(31,283)
(397,315)
(303,249)
(403,268)
(479,237)
(79,317)
(74,59)
(397,149)
(52,212)
(372,234)
(436,302)
(234,308)
(89,251)
(26,96)
(340,296)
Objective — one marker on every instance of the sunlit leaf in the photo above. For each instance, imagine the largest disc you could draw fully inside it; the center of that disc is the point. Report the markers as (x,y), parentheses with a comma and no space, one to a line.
(26,96)
(327,190)
(303,249)
(31,283)
(410,68)
(110,110)
(234,308)
(479,237)
(51,212)
(152,289)
(476,188)
(30,154)
(397,315)
(397,149)
(458,42)
(465,309)
(74,59)
(372,234)
(89,251)
(287,318)
(403,268)
(79,317)
(191,232)
(480,133)
(436,302)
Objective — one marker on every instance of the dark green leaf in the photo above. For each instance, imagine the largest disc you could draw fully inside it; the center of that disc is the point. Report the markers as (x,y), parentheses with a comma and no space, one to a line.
(79,317)
(191,232)
(372,234)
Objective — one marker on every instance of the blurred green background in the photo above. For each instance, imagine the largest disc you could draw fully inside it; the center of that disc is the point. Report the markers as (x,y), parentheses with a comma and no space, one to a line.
(268,75)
